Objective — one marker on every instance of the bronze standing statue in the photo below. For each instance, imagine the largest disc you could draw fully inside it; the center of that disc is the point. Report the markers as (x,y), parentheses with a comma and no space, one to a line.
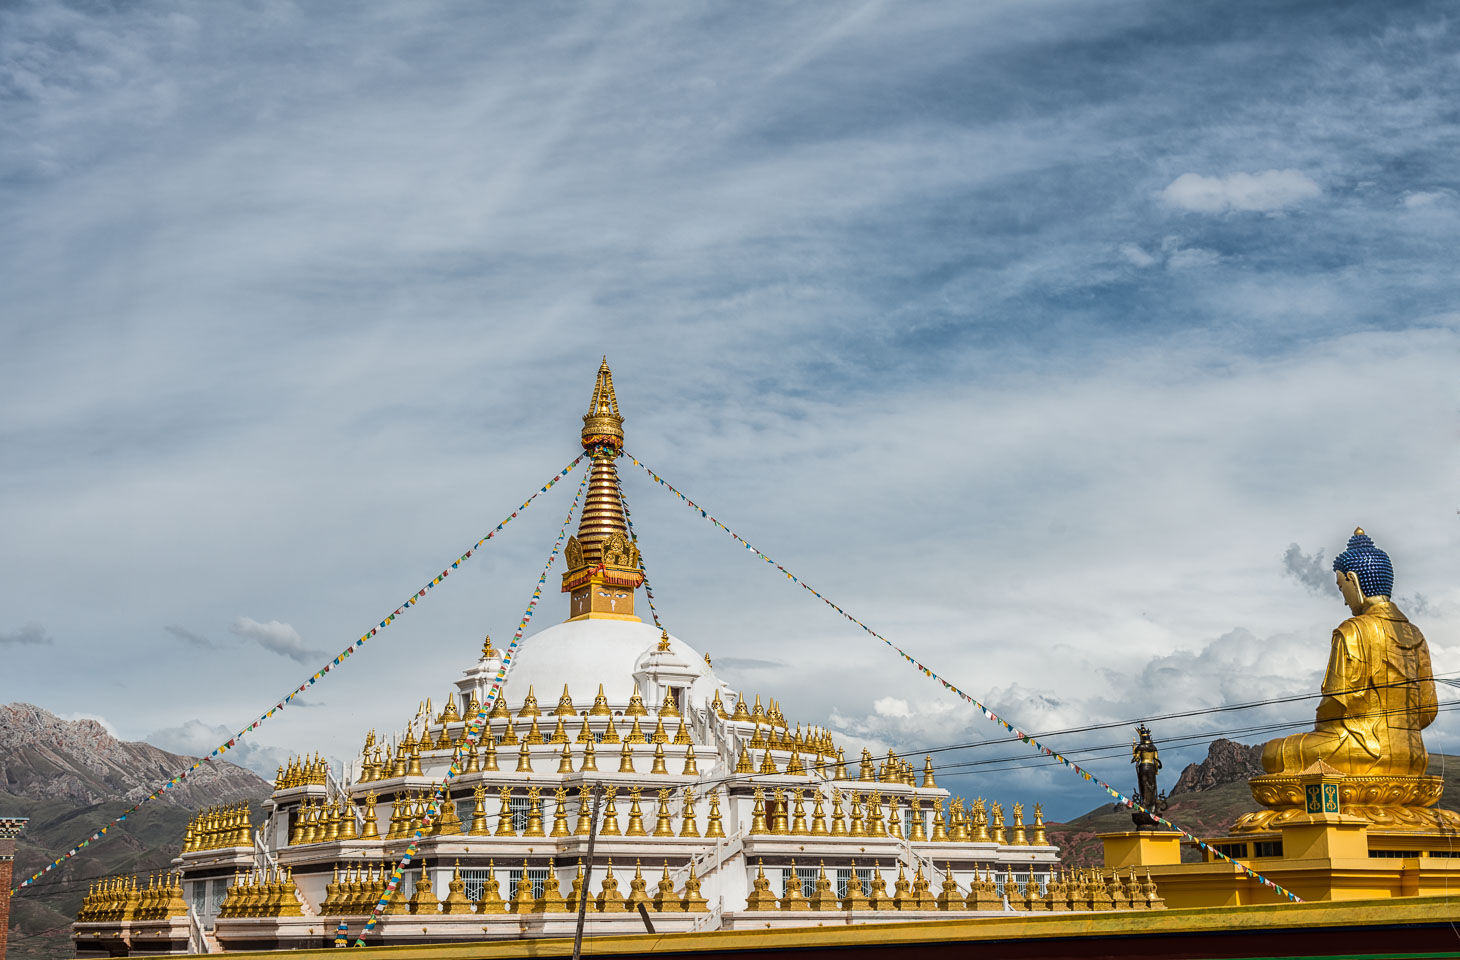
(1147,758)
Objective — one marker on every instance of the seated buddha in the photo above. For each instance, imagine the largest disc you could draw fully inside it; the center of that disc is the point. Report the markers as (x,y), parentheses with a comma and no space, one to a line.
(1378,691)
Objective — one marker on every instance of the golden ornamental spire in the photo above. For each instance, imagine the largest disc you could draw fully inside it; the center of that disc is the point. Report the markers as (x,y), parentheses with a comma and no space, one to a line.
(603,561)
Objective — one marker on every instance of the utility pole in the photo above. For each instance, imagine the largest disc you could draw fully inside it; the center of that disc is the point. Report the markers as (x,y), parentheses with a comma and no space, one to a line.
(587,876)
(10,828)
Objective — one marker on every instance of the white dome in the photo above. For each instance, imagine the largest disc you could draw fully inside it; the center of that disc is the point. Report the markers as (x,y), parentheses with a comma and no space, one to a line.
(585,653)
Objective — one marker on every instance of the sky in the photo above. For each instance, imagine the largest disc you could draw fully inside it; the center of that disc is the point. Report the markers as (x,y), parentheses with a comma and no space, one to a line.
(1064,343)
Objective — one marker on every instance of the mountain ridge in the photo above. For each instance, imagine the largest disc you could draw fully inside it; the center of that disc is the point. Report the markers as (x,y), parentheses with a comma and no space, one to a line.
(71,777)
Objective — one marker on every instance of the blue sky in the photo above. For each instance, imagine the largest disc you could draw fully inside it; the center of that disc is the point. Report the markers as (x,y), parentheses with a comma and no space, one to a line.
(1033,333)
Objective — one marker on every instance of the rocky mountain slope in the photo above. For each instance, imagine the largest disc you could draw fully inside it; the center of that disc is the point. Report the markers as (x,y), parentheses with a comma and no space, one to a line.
(70,777)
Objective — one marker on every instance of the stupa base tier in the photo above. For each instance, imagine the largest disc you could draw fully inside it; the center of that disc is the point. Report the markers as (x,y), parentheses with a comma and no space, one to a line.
(1316,930)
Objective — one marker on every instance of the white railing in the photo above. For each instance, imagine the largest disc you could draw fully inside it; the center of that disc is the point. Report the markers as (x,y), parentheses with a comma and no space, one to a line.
(263,859)
(711,860)
(331,784)
(197,938)
(711,920)
(914,859)
(341,790)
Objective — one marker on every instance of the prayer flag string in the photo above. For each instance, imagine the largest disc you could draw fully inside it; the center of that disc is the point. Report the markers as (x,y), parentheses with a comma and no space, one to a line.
(643,570)
(474,729)
(989,714)
(227,745)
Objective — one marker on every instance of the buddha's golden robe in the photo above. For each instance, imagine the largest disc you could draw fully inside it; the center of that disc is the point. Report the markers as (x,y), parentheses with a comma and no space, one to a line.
(1379,694)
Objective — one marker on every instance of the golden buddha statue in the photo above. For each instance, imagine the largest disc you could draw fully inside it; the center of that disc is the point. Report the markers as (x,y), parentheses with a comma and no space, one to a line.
(1378,695)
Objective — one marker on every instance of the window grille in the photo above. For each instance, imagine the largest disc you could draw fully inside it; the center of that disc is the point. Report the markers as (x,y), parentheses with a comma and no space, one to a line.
(1445,853)
(537,876)
(1393,854)
(475,881)
(1237,851)
(844,876)
(520,806)
(1267,848)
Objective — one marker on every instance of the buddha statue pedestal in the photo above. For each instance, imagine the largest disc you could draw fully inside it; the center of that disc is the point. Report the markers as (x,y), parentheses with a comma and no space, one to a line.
(1384,801)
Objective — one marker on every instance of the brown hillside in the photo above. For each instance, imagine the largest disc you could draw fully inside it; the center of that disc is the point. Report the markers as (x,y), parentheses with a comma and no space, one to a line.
(72,777)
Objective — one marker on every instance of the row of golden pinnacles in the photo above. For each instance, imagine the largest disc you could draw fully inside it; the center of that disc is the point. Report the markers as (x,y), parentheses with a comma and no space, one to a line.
(116,899)
(217,828)
(789,819)
(269,893)
(324,823)
(302,772)
(483,757)
(1085,890)
(357,891)
(403,759)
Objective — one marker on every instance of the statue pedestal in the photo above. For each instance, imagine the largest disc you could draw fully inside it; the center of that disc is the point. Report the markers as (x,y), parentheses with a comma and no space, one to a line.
(1326,837)
(1141,848)
(1400,803)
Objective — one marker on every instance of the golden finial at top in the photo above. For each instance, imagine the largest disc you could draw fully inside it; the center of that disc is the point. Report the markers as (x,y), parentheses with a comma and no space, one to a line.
(602,424)
(487,650)
(1358,531)
(663,641)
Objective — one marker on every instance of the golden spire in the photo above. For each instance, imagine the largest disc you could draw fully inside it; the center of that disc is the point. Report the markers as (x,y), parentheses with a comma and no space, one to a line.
(603,561)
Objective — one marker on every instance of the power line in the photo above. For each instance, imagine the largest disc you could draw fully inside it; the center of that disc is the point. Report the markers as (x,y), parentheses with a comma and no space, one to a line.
(1252,704)
(1444,706)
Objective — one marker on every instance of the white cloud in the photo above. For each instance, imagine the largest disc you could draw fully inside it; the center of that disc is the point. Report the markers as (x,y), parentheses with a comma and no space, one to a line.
(1136,255)
(894,722)
(891,707)
(1420,199)
(105,723)
(194,738)
(277,637)
(1266,191)
(1186,258)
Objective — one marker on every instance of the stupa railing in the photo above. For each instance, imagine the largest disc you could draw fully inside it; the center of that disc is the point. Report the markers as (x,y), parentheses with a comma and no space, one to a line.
(911,858)
(711,920)
(197,936)
(341,791)
(263,857)
(712,860)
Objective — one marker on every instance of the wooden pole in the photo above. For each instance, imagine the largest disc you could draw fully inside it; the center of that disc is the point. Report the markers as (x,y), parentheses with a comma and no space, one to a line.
(587,877)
